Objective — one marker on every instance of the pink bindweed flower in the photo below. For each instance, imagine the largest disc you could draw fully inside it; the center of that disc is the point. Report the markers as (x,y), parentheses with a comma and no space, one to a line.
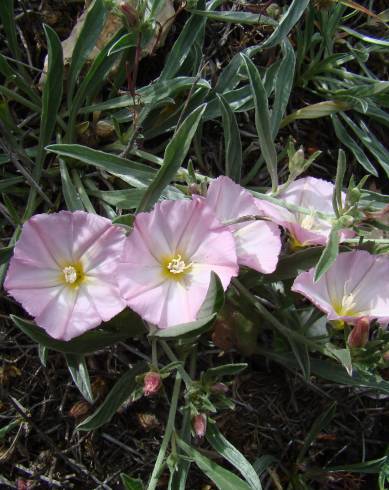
(355,287)
(168,258)
(258,243)
(62,272)
(305,229)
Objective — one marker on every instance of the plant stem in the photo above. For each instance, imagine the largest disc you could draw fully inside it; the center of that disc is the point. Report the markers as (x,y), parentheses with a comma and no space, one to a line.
(173,358)
(154,352)
(160,463)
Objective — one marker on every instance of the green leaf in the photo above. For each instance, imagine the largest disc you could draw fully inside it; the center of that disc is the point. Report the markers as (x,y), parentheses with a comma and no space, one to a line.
(79,372)
(86,41)
(315,111)
(318,425)
(174,156)
(136,174)
(363,37)
(247,18)
(289,266)
(214,299)
(125,325)
(328,255)
(232,141)
(185,329)
(91,84)
(131,483)
(72,199)
(51,101)
(350,143)
(341,355)
(222,446)
(120,392)
(225,370)
(283,86)
(223,479)
(366,467)
(262,120)
(286,24)
(8,20)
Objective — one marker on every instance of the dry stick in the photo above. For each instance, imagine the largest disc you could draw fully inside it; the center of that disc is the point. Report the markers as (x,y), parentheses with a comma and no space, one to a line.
(75,466)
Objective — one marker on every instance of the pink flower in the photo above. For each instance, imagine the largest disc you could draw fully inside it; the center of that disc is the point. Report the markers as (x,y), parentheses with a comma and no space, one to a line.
(63,270)
(258,243)
(168,258)
(356,286)
(305,229)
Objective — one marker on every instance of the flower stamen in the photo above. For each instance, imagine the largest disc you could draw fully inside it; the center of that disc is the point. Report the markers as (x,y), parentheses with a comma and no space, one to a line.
(177,265)
(70,274)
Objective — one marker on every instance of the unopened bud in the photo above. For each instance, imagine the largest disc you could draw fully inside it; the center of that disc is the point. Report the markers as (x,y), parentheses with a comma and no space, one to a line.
(386,356)
(219,388)
(354,195)
(359,335)
(151,383)
(273,10)
(199,424)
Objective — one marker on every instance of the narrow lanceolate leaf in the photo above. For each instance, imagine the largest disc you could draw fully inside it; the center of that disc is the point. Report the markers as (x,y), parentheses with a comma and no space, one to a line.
(247,18)
(116,397)
(86,41)
(222,478)
(315,111)
(283,86)
(185,329)
(262,120)
(137,174)
(122,327)
(51,101)
(288,21)
(232,141)
(174,156)
(221,445)
(130,483)
(79,372)
(345,138)
(72,199)
(328,255)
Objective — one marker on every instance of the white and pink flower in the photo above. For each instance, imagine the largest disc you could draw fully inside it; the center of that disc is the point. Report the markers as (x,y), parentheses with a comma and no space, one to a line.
(258,243)
(355,287)
(168,258)
(305,229)
(63,272)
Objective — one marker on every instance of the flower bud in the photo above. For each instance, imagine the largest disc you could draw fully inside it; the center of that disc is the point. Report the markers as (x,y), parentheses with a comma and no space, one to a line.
(273,10)
(359,335)
(130,12)
(386,356)
(199,423)
(151,383)
(219,388)
(354,195)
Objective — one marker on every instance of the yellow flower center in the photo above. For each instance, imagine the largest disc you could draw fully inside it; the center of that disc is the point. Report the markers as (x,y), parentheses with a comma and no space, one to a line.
(175,267)
(73,275)
(346,307)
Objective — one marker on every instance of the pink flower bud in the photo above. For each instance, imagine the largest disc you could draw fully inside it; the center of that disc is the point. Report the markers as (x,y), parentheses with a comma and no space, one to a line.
(386,356)
(219,388)
(199,423)
(359,335)
(151,383)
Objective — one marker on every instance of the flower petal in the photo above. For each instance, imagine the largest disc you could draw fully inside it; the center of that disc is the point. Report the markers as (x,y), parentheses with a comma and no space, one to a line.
(258,246)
